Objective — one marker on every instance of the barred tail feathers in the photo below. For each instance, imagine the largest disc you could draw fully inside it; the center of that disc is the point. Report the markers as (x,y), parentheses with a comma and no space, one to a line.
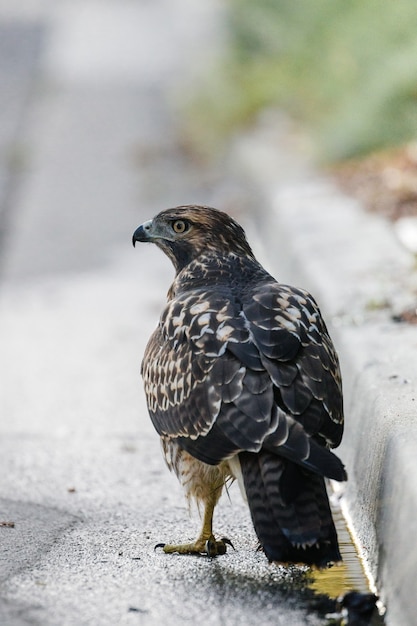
(290,510)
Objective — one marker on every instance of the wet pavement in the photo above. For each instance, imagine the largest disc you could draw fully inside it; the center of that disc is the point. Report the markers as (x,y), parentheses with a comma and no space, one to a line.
(91,147)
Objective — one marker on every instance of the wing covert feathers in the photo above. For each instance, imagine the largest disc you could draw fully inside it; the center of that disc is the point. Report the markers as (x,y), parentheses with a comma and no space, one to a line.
(261,368)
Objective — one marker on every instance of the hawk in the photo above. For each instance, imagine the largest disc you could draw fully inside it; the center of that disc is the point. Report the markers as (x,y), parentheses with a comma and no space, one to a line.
(242,382)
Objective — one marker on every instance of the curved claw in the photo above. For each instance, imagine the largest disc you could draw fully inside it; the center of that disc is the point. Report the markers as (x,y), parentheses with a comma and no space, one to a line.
(228,542)
(159,545)
(214,548)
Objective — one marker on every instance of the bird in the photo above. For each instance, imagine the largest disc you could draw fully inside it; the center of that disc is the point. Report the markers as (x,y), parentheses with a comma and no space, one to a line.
(242,382)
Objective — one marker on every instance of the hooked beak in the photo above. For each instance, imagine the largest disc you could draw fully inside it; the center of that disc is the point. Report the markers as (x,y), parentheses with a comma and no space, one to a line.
(142,233)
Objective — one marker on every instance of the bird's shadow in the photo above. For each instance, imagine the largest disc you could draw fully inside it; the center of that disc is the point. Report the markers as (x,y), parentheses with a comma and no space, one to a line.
(289,590)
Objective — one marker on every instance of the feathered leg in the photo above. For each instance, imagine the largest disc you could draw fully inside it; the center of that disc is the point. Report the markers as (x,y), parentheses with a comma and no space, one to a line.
(204,483)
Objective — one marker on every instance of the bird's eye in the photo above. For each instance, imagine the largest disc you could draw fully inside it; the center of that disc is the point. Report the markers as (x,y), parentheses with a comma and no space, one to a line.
(179,226)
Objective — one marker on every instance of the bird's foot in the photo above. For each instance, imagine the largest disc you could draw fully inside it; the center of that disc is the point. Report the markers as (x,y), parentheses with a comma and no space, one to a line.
(211,547)
(215,547)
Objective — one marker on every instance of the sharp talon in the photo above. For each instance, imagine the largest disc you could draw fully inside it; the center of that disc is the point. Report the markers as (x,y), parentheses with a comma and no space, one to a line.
(228,542)
(160,545)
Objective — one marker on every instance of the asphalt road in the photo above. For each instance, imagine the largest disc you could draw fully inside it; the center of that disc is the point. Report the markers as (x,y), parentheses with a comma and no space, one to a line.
(90,149)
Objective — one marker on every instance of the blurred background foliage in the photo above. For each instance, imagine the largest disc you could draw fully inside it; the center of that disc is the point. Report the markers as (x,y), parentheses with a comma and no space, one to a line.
(345,70)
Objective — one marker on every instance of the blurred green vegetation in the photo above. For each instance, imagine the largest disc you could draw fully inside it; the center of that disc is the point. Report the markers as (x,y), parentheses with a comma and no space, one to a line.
(346,69)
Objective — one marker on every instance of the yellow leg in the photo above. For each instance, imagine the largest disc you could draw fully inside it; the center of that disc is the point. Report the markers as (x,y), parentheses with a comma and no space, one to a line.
(205,542)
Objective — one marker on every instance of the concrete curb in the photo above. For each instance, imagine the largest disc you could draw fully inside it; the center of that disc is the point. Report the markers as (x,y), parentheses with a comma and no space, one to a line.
(352,263)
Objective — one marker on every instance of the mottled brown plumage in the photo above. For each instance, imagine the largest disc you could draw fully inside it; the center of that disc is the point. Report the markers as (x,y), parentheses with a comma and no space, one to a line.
(242,380)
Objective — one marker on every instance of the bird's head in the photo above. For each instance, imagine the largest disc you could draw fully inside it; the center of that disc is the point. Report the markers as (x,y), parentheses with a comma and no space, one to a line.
(186,232)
